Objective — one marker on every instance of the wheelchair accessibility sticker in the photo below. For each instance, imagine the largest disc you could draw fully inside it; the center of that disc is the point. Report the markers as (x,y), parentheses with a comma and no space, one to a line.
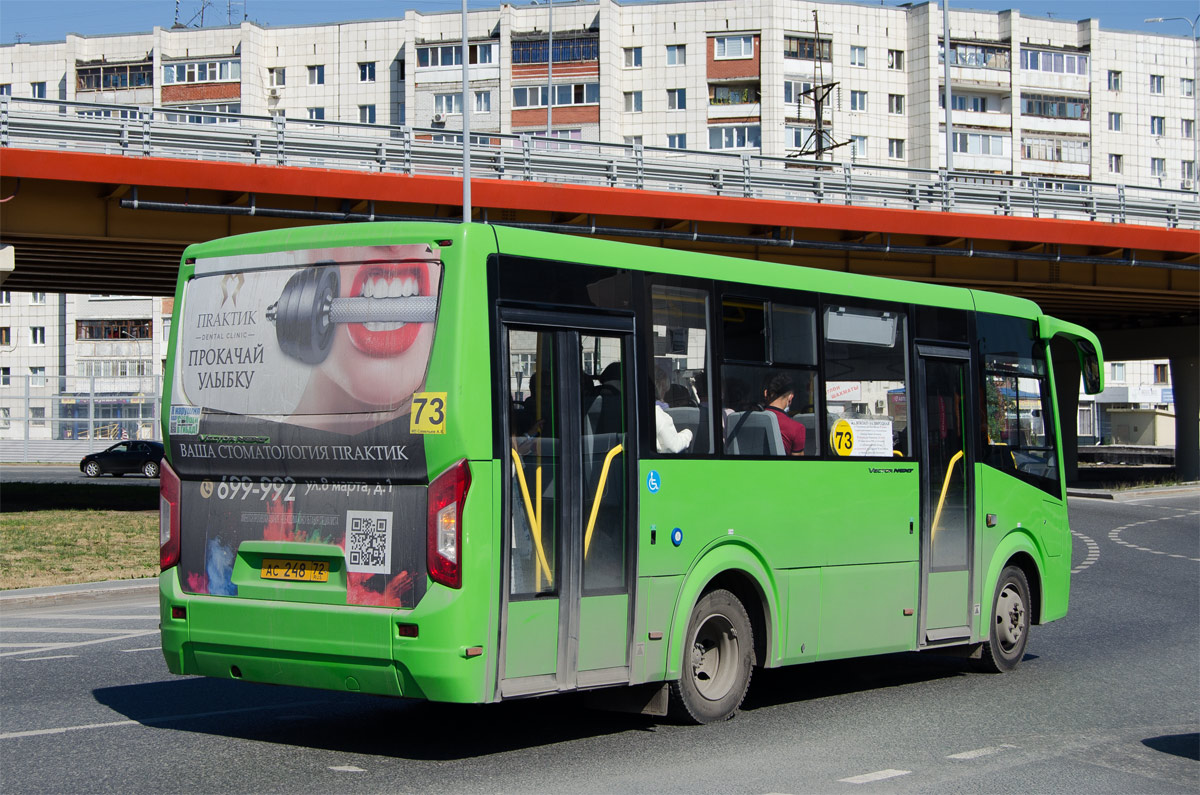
(653,482)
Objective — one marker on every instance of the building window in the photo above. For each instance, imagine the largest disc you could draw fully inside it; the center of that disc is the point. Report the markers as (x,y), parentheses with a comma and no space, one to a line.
(447,103)
(577,94)
(734,95)
(203,113)
(316,75)
(366,114)
(799,138)
(5,335)
(633,140)
(5,297)
(858,100)
(530,97)
(1118,371)
(633,101)
(896,104)
(5,89)
(366,72)
(677,141)
(277,76)
(37,298)
(1187,86)
(1158,166)
(226,71)
(1056,62)
(1114,80)
(729,47)
(807,48)
(37,415)
(114,76)
(1055,150)
(37,376)
(976,56)
(858,56)
(676,54)
(858,146)
(38,90)
(740,136)
(896,60)
(316,114)
(676,98)
(978,144)
(797,91)
(5,376)
(1187,169)
(1114,122)
(633,57)
(483,102)
(896,148)
(1158,125)
(1050,106)
(1156,84)
(37,335)
(113,329)
(1187,128)
(566,49)
(1115,164)
(1162,373)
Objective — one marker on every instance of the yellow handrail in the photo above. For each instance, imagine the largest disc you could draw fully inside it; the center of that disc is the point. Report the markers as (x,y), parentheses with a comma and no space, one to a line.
(945,487)
(587,537)
(535,519)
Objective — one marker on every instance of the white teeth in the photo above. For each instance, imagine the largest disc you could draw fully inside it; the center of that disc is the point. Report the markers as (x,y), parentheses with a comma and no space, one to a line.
(385,287)
(376,326)
(394,289)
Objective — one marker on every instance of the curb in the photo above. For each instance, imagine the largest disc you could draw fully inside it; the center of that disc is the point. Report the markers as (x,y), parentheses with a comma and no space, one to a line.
(83,590)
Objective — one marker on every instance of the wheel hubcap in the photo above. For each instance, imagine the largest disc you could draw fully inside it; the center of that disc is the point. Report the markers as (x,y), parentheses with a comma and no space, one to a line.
(714,658)
(1010,618)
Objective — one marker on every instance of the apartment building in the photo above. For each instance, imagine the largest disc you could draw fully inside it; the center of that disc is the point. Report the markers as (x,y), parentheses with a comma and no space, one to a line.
(1044,98)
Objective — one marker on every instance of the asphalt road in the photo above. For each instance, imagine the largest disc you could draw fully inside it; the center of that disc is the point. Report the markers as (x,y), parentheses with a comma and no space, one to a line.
(1105,701)
(17,473)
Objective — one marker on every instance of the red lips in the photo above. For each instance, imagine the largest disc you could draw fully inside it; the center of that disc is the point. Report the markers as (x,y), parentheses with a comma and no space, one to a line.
(395,341)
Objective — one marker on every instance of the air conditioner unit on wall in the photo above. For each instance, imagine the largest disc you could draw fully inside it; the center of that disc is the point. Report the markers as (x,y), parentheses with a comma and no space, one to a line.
(439,118)
(273,92)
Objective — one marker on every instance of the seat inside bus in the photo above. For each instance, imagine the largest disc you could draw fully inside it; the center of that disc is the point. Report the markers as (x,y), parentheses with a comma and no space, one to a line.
(753,433)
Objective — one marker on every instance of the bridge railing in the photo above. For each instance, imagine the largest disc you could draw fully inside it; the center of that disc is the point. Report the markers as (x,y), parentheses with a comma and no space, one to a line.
(274,140)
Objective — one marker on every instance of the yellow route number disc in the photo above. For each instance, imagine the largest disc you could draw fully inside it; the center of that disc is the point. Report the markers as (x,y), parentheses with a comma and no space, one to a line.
(428,413)
(843,438)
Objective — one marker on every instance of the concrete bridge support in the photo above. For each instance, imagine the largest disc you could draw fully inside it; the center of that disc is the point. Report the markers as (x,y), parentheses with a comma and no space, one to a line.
(1181,346)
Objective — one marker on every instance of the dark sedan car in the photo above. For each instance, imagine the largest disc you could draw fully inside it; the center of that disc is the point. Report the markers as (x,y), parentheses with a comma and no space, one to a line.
(123,457)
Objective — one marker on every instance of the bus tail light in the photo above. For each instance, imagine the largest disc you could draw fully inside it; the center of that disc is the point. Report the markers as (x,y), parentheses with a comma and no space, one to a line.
(447,493)
(168,517)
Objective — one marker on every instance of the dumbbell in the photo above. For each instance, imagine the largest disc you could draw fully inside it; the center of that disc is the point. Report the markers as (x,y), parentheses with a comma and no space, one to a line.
(309,307)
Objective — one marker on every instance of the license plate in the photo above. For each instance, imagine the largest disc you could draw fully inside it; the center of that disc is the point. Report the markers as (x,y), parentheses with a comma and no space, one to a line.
(297,570)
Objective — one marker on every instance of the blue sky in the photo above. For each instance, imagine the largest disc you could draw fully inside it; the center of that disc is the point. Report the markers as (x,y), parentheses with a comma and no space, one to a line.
(50,20)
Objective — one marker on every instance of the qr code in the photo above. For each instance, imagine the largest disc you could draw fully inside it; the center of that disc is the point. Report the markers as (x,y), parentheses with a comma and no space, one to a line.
(369,542)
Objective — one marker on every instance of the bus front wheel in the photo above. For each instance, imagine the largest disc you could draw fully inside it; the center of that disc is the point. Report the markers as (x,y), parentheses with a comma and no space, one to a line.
(1009,632)
(718,659)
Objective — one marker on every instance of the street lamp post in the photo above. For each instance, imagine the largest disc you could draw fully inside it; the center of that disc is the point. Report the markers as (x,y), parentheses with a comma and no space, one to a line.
(1192,23)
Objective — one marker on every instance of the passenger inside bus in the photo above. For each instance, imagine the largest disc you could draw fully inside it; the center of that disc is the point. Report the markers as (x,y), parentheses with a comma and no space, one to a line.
(778,391)
(668,439)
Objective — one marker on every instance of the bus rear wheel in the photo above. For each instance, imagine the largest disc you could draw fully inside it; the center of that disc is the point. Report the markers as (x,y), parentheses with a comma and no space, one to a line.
(718,660)
(1009,632)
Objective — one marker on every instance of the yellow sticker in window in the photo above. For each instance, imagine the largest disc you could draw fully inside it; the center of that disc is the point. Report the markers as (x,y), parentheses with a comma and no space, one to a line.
(843,438)
(428,413)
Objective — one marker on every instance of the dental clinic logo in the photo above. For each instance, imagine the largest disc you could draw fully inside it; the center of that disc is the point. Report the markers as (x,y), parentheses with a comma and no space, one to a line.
(231,285)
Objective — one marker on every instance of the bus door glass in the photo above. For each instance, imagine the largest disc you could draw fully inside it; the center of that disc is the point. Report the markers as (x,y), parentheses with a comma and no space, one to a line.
(946,494)
(567,515)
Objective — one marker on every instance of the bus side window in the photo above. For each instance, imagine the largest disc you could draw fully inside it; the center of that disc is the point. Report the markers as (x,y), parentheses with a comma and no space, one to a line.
(679,370)
(866,389)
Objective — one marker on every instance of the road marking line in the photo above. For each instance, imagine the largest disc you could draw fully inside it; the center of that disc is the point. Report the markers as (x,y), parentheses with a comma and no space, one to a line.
(878,775)
(55,657)
(83,617)
(1093,552)
(49,646)
(978,752)
(151,721)
(346,769)
(147,648)
(68,630)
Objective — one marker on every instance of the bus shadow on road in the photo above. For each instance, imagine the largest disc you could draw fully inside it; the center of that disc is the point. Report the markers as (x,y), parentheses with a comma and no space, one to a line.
(361,724)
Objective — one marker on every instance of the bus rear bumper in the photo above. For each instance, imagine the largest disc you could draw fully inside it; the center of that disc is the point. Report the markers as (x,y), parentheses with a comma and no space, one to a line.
(330,647)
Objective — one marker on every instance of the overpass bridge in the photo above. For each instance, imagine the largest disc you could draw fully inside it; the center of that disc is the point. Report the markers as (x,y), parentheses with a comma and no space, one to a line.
(103,199)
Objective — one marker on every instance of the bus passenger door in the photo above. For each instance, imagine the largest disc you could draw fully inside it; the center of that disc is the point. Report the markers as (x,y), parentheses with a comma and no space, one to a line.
(568,511)
(947,494)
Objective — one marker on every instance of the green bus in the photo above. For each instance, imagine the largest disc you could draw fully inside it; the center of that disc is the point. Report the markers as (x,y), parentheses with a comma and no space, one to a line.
(470,463)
